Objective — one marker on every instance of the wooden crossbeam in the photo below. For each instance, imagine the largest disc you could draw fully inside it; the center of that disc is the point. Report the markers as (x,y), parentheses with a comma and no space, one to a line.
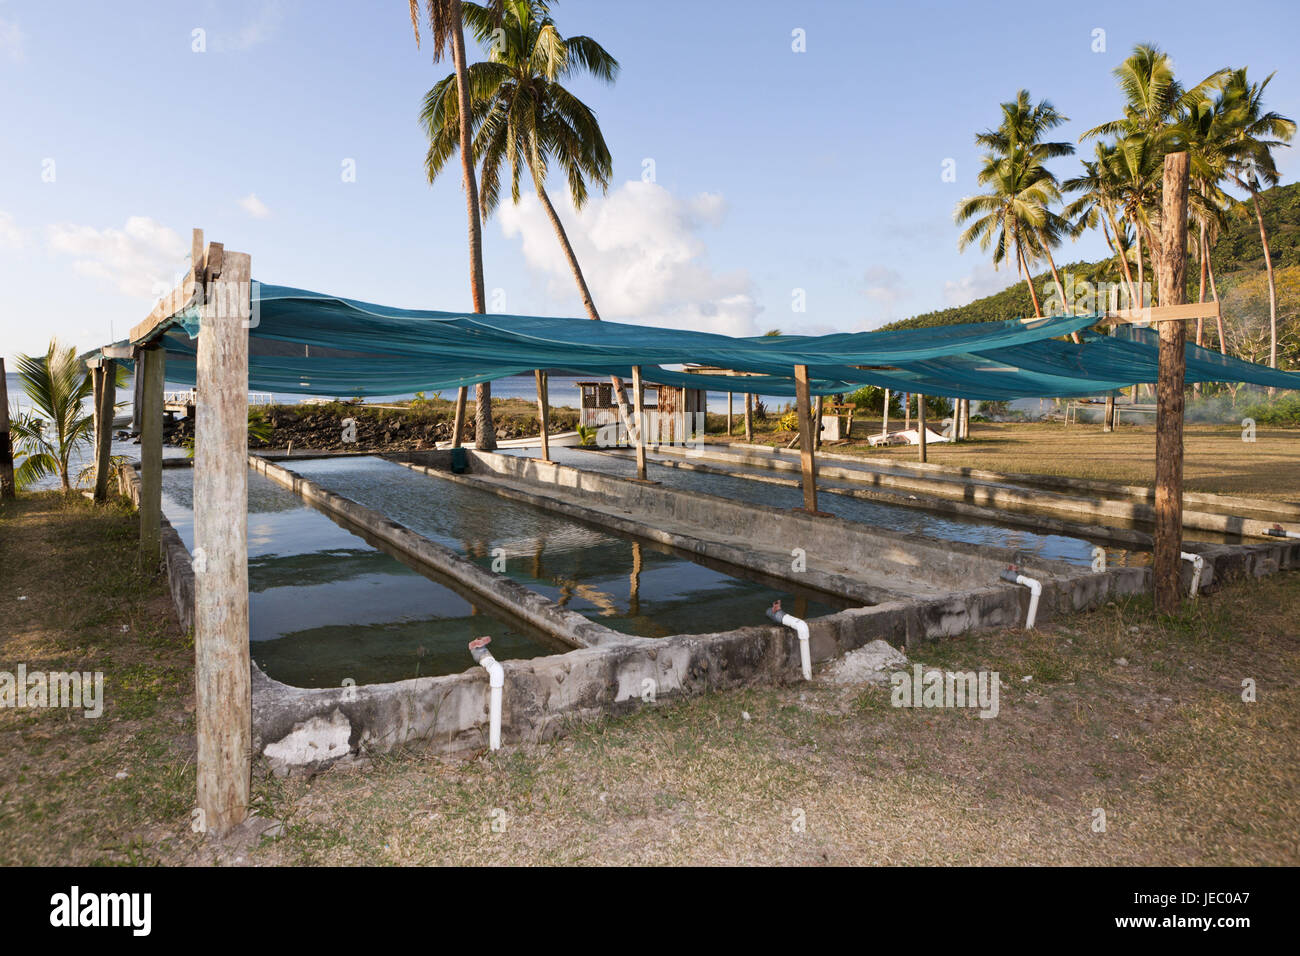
(1167,313)
(205,265)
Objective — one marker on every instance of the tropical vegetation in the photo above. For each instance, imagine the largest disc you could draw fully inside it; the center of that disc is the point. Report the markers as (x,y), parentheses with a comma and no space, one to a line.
(48,435)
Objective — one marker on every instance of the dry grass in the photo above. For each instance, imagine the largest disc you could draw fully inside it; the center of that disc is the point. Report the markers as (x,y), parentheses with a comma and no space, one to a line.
(1215,457)
(74,598)
(1186,772)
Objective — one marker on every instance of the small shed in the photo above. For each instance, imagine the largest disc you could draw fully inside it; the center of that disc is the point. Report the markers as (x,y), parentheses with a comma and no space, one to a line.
(662,404)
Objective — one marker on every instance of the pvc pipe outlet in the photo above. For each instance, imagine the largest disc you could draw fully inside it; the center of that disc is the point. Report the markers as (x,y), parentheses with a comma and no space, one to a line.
(1198,565)
(1035,591)
(800,627)
(496,680)
(1277,531)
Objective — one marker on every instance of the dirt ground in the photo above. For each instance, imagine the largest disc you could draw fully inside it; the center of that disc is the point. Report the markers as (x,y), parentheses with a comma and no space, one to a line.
(1122,738)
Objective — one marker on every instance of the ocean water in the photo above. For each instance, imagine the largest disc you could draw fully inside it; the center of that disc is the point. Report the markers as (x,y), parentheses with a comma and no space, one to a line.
(563,393)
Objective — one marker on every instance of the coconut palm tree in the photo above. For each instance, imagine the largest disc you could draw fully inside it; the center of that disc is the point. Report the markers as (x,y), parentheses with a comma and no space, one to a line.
(1019,137)
(1252,136)
(1154,100)
(1207,141)
(1156,106)
(523,115)
(1015,216)
(446,30)
(1099,201)
(49,435)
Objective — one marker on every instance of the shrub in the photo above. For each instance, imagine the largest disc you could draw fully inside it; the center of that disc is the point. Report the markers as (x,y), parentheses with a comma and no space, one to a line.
(1282,410)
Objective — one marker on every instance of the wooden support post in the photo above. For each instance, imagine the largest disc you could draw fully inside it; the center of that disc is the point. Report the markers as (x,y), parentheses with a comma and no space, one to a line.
(221,668)
(729,406)
(151,368)
(920,424)
(105,399)
(907,410)
(1172,275)
(817,424)
(1108,417)
(543,412)
(7,487)
(807,446)
(458,423)
(638,400)
(749,416)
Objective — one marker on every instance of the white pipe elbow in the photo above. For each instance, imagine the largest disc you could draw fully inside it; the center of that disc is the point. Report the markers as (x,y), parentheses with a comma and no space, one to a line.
(1198,565)
(496,681)
(1035,592)
(800,627)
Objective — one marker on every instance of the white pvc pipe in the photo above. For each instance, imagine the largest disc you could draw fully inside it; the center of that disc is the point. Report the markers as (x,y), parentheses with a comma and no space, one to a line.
(496,681)
(800,628)
(1198,565)
(1035,591)
(1277,531)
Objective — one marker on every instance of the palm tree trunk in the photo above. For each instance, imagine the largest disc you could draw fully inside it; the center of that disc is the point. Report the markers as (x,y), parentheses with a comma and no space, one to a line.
(1060,289)
(1141,297)
(1272,288)
(620,390)
(1214,291)
(485,434)
(1029,279)
(1056,279)
(1200,296)
(1123,259)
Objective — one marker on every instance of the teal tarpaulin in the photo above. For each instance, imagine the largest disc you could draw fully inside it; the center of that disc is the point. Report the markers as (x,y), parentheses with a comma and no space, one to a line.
(309,343)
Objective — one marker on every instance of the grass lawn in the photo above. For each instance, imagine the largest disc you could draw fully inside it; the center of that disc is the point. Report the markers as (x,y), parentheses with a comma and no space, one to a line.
(1215,458)
(1123,711)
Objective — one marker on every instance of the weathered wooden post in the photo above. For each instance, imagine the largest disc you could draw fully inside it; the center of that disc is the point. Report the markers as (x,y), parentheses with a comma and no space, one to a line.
(7,487)
(458,423)
(543,412)
(638,399)
(221,666)
(151,365)
(807,450)
(884,418)
(749,416)
(1108,416)
(920,424)
(105,400)
(1172,276)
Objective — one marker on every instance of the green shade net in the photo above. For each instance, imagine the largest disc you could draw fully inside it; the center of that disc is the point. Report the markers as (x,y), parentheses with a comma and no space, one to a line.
(303,342)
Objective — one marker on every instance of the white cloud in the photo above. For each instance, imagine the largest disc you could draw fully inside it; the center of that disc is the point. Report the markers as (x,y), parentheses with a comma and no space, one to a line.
(142,259)
(981,281)
(13,42)
(254,206)
(885,286)
(258,30)
(642,255)
(11,237)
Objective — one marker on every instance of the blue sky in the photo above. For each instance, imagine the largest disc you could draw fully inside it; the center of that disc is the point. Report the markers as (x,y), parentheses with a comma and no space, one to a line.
(773,170)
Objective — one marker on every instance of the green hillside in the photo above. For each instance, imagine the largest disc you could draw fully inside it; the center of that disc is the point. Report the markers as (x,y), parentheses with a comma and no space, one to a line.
(1237,256)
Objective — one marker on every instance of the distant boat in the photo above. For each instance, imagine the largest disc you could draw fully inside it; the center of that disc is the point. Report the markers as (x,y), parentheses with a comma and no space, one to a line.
(909,436)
